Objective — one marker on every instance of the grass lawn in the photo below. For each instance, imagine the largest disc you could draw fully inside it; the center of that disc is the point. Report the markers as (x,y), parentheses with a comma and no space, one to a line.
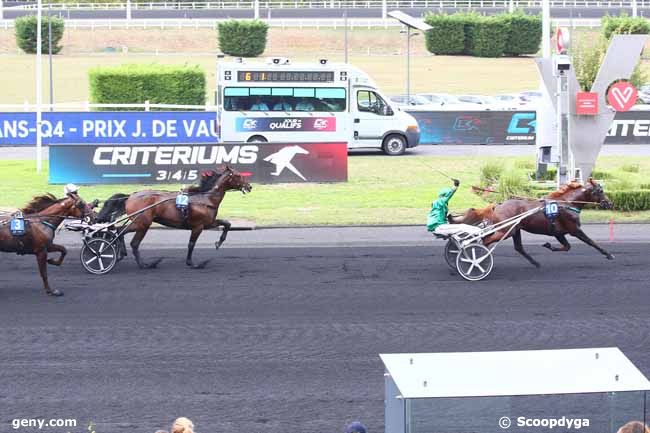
(381,190)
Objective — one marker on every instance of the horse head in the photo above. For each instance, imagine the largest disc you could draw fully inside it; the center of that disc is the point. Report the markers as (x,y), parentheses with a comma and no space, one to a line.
(75,206)
(473,216)
(231,179)
(596,194)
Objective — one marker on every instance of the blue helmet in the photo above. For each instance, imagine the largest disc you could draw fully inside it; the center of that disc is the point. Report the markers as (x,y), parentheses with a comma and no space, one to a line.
(355,427)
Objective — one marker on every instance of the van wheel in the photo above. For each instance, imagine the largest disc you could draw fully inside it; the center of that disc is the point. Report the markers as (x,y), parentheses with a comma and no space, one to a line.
(257,139)
(394,144)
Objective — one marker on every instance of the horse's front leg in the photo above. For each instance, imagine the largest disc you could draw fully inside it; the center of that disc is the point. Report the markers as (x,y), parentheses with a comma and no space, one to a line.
(586,239)
(566,246)
(41,259)
(494,237)
(196,232)
(224,234)
(57,248)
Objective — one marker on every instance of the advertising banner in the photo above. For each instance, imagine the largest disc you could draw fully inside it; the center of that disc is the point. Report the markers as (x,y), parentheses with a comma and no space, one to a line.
(630,127)
(145,127)
(182,163)
(476,127)
(261,124)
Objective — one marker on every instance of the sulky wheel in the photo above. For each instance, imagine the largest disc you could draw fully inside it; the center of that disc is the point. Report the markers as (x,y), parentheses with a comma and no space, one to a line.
(451,252)
(98,256)
(474,262)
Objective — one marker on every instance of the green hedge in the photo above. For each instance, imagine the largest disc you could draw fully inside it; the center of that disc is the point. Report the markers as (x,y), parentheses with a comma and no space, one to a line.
(489,38)
(524,33)
(158,84)
(628,201)
(447,35)
(26,35)
(624,25)
(484,36)
(243,38)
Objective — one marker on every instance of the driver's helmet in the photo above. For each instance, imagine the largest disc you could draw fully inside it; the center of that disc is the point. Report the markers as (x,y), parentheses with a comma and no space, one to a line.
(443,192)
(70,188)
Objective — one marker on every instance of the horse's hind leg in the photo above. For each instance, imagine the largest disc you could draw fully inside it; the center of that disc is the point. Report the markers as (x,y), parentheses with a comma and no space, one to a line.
(566,246)
(135,245)
(41,259)
(519,247)
(57,248)
(196,232)
(224,234)
(586,239)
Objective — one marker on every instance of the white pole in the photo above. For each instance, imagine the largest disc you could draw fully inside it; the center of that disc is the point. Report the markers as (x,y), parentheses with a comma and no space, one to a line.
(257,9)
(39,86)
(384,9)
(128,9)
(511,6)
(546,29)
(1,11)
(635,11)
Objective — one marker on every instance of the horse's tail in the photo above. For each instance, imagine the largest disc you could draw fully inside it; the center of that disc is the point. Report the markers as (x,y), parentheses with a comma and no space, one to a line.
(114,207)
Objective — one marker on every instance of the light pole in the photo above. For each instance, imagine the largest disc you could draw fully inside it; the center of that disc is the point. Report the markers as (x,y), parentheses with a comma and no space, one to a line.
(39,85)
(49,49)
(409,22)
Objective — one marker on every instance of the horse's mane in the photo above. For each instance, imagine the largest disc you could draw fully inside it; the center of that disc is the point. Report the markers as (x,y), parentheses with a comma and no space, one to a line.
(40,202)
(206,183)
(564,189)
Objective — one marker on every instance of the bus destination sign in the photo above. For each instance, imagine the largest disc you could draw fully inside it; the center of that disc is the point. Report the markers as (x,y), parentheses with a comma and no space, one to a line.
(287,76)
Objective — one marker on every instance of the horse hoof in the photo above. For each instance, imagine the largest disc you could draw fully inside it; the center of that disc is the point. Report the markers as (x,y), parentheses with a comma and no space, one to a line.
(201,265)
(217,245)
(154,264)
(55,292)
(610,256)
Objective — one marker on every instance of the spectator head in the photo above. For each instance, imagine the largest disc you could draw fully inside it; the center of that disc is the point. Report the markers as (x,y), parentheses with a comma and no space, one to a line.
(355,427)
(161,431)
(182,425)
(634,427)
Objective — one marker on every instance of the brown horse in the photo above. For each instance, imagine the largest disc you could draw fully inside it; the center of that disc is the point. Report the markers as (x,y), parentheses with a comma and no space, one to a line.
(43,215)
(204,202)
(571,198)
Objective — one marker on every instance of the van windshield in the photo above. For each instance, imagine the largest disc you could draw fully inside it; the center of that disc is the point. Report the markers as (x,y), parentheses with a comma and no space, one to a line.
(284,99)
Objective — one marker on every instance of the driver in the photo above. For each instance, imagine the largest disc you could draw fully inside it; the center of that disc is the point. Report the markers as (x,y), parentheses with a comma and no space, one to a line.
(437,218)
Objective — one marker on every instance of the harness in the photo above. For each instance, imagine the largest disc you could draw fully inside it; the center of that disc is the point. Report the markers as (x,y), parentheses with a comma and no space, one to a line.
(49,224)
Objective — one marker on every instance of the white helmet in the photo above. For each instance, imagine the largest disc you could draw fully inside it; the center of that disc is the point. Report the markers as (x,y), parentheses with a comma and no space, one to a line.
(70,188)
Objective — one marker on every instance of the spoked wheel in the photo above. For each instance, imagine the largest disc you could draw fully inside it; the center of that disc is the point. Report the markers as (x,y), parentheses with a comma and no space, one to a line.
(474,262)
(451,252)
(98,256)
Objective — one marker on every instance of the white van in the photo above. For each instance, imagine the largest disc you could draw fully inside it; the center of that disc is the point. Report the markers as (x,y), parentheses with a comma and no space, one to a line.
(283,102)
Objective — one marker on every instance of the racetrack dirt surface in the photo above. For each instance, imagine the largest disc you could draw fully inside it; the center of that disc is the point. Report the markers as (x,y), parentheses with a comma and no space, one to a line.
(287,339)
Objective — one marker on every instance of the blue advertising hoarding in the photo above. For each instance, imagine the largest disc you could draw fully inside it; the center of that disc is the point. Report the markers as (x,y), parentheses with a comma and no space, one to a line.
(117,127)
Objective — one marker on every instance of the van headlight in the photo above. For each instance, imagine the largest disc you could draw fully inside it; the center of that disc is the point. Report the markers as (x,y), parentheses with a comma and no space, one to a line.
(413,128)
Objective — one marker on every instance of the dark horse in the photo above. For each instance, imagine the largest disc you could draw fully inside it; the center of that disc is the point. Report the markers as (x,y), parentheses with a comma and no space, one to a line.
(204,202)
(571,198)
(43,215)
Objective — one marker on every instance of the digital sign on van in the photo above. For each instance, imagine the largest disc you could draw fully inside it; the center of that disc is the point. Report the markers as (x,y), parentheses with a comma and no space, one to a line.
(286,76)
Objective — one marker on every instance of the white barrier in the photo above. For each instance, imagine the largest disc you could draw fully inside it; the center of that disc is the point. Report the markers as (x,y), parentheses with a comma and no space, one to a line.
(340,4)
(178,23)
(87,106)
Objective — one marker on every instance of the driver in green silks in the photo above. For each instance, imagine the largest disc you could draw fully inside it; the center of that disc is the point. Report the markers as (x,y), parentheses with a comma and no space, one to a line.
(440,207)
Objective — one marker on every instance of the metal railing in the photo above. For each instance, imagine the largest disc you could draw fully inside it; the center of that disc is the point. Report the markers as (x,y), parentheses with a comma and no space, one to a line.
(336,4)
(87,106)
(197,23)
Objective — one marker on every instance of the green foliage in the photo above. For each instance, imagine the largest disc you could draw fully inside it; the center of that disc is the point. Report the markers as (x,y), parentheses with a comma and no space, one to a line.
(587,58)
(26,34)
(630,200)
(489,173)
(512,184)
(137,83)
(631,168)
(490,37)
(624,25)
(243,38)
(447,35)
(524,33)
